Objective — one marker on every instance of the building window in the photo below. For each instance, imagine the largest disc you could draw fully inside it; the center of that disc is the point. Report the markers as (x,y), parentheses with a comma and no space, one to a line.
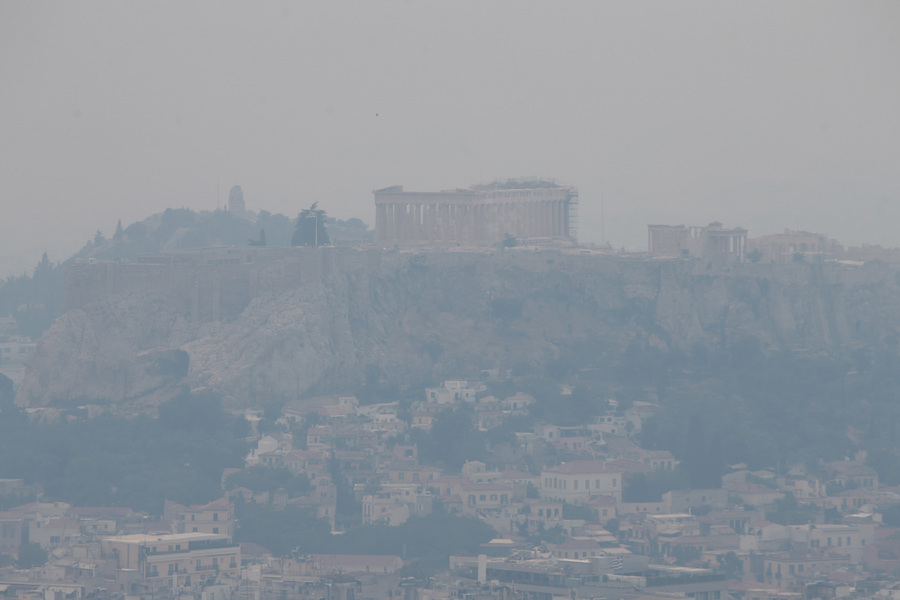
(215,530)
(215,516)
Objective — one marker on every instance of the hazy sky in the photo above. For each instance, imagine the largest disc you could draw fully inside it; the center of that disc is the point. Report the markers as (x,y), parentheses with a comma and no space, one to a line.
(760,114)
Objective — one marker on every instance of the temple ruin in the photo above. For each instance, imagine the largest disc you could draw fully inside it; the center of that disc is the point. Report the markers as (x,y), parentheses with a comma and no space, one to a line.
(477,216)
(701,242)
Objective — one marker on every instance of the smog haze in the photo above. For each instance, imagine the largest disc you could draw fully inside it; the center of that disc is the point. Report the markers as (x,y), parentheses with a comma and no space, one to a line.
(763,115)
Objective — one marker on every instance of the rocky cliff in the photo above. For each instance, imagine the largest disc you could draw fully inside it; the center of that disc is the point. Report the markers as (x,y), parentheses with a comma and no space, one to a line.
(299,321)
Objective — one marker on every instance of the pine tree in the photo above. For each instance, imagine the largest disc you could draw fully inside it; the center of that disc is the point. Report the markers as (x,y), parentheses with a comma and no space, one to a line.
(310,227)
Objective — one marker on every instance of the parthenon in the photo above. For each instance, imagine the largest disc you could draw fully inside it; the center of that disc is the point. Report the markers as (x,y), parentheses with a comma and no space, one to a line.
(476,216)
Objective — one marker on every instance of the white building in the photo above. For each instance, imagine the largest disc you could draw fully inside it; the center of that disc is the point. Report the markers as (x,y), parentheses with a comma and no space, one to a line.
(453,391)
(577,481)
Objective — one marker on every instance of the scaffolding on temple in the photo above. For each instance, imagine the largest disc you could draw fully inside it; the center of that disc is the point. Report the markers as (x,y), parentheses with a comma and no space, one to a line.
(573,214)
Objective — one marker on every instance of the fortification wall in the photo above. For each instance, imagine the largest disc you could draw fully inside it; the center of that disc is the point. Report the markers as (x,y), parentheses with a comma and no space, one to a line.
(204,288)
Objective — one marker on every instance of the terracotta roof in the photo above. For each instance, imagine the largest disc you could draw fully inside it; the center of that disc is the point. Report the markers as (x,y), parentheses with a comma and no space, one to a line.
(577,545)
(100,511)
(513,474)
(583,466)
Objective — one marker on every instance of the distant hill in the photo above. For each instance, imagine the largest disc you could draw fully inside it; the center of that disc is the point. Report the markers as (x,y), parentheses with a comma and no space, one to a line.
(177,229)
(36,300)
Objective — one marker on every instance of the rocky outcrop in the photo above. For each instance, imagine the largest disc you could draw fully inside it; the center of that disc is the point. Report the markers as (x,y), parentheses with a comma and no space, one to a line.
(415,317)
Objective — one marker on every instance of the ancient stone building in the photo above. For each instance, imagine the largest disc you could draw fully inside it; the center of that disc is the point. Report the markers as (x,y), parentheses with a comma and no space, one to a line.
(476,216)
(793,245)
(702,242)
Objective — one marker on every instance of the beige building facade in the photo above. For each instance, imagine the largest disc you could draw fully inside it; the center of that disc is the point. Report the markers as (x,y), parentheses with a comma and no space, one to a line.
(183,558)
(577,481)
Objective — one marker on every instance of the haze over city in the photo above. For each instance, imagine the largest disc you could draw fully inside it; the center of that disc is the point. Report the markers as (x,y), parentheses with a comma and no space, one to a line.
(431,301)
(763,115)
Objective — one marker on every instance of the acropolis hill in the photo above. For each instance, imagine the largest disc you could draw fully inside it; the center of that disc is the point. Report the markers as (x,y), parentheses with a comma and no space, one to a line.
(276,323)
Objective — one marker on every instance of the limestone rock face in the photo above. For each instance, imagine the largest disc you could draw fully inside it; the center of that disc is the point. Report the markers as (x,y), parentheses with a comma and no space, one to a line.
(320,321)
(121,348)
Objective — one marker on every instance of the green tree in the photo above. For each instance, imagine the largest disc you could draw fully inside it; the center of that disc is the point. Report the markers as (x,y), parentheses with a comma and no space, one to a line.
(890,514)
(310,227)
(281,531)
(649,487)
(7,394)
(265,479)
(114,461)
(31,555)
(453,440)
(354,223)
(731,565)
(695,457)
(790,512)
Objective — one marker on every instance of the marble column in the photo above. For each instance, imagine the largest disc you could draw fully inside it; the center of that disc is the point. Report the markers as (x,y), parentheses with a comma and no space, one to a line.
(380,222)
